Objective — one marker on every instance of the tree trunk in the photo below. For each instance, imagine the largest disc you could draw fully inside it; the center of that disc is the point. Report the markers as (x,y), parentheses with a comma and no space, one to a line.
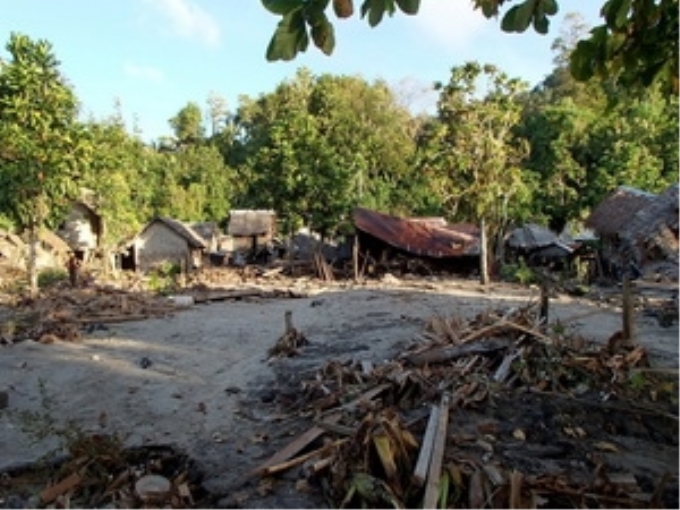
(32,263)
(483,256)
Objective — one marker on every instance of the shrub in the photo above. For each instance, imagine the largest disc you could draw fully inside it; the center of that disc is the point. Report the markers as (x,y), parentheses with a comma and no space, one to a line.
(519,272)
(51,276)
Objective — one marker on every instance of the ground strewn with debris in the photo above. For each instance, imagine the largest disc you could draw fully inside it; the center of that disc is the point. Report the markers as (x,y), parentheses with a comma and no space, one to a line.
(276,392)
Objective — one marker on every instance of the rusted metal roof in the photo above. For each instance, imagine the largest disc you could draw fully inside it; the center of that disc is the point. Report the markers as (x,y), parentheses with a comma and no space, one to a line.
(422,237)
(617,210)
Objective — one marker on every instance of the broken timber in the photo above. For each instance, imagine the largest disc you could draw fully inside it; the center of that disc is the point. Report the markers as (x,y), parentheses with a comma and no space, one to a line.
(279,461)
(439,445)
(291,449)
(423,463)
(458,351)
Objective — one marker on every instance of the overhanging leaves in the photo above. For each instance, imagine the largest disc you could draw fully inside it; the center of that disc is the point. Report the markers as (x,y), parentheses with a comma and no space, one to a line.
(282,7)
(290,37)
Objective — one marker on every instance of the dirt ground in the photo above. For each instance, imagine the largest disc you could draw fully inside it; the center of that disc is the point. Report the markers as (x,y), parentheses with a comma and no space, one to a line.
(199,380)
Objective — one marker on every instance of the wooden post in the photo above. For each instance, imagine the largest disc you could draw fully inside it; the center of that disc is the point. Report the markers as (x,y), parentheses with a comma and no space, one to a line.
(545,302)
(355,258)
(628,310)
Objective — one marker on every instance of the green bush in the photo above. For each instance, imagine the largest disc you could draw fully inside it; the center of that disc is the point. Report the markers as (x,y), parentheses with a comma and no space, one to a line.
(519,272)
(163,279)
(51,276)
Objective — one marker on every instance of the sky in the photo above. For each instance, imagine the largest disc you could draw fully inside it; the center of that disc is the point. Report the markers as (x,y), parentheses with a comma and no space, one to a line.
(153,57)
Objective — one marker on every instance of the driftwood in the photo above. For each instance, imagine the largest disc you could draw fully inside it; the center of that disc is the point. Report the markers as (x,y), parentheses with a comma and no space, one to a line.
(458,351)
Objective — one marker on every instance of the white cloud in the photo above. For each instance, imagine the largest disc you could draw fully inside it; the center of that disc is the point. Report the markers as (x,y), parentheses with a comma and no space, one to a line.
(451,23)
(188,20)
(145,73)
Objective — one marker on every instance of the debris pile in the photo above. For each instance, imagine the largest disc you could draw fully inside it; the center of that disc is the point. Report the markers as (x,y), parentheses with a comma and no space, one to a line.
(61,314)
(290,342)
(99,473)
(498,411)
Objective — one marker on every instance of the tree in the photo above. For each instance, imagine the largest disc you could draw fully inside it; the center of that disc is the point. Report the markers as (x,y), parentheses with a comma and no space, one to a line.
(637,44)
(586,140)
(188,125)
(318,146)
(42,145)
(471,152)
(120,181)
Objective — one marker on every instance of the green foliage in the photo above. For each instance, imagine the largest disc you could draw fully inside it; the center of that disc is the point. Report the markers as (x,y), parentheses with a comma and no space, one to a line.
(42,143)
(318,146)
(51,276)
(302,18)
(637,45)
(164,278)
(188,125)
(518,272)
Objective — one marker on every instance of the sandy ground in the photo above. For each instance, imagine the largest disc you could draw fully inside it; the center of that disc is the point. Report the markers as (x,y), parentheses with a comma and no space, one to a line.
(208,374)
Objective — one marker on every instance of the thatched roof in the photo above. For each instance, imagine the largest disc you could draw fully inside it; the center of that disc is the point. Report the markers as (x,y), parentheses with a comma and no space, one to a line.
(656,223)
(181,229)
(246,223)
(617,210)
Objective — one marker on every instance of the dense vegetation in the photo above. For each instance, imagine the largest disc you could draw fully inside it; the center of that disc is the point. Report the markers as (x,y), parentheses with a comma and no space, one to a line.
(494,152)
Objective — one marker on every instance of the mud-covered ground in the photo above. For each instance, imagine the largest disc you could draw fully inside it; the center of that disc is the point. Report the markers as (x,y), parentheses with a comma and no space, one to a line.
(200,381)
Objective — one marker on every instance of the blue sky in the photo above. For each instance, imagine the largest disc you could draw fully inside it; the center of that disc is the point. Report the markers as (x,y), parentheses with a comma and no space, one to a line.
(155,56)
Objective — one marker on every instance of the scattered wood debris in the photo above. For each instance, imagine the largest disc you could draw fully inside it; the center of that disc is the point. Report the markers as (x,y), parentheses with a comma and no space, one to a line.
(62,313)
(99,473)
(496,411)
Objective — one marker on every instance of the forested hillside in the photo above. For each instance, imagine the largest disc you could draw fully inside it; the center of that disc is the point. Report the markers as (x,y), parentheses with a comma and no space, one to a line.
(495,151)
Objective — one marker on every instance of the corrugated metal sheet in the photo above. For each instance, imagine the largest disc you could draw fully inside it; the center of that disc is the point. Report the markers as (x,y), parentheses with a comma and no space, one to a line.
(531,236)
(617,210)
(423,238)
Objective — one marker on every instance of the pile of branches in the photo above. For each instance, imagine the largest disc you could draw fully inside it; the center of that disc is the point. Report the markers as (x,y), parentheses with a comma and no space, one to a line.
(386,435)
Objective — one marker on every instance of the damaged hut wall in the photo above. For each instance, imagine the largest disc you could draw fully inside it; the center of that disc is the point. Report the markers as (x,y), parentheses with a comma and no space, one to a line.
(158,245)
(81,230)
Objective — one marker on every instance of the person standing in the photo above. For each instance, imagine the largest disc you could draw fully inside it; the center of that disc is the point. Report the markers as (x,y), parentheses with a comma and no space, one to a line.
(73,265)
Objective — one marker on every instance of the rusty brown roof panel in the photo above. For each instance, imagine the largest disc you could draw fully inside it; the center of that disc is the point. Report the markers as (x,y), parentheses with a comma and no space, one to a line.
(423,238)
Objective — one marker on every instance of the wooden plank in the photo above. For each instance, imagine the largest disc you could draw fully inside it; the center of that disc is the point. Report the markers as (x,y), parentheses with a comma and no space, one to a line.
(54,491)
(295,446)
(364,397)
(277,468)
(423,463)
(434,473)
